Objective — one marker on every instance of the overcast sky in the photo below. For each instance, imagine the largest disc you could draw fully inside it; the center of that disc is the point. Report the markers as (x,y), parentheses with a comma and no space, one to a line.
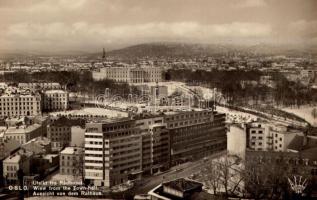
(88,25)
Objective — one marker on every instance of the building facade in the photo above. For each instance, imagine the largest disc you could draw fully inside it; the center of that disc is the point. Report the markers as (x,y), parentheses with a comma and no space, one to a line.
(262,136)
(195,134)
(124,149)
(60,135)
(14,105)
(13,163)
(155,144)
(55,100)
(130,74)
(71,161)
(24,133)
(40,86)
(113,152)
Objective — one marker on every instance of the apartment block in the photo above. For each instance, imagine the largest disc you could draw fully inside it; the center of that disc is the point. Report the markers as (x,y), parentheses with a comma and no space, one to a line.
(55,100)
(195,134)
(113,152)
(15,103)
(155,143)
(118,150)
(262,136)
(11,165)
(71,161)
(59,131)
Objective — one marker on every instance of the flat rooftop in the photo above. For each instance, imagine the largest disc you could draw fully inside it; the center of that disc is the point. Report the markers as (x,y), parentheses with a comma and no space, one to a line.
(22,129)
(72,150)
(182,185)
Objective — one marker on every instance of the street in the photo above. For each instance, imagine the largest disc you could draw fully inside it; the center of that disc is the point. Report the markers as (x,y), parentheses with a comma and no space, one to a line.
(180,171)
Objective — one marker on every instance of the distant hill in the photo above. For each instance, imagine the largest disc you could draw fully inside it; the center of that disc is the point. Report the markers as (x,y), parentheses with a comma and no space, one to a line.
(173,49)
(187,50)
(163,49)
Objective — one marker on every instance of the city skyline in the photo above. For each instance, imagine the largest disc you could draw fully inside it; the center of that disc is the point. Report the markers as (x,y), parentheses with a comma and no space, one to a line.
(90,25)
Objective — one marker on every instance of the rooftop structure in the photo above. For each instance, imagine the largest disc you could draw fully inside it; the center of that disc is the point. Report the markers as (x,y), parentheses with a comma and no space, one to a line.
(179,189)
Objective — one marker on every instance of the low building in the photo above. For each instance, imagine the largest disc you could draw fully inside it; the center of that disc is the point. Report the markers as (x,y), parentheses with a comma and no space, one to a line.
(40,145)
(7,148)
(24,133)
(71,161)
(179,189)
(19,160)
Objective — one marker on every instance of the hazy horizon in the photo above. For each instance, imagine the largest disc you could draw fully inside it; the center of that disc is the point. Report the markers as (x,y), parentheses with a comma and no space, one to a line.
(90,25)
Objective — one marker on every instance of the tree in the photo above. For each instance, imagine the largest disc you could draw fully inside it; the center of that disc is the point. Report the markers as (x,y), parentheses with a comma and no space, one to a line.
(266,175)
(224,175)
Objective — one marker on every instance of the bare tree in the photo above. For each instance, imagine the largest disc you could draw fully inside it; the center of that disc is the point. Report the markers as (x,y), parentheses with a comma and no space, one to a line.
(267,176)
(224,175)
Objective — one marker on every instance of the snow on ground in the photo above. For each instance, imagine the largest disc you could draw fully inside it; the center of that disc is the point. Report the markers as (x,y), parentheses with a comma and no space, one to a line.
(93,111)
(304,112)
(172,86)
(234,116)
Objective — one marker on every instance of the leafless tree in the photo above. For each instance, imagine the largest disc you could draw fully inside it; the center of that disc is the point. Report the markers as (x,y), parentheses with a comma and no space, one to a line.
(224,174)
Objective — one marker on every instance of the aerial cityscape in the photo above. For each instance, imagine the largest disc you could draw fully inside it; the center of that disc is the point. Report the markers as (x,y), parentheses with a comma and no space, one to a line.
(158,100)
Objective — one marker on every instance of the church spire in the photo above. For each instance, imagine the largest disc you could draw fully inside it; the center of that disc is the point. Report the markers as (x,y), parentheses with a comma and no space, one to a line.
(103,54)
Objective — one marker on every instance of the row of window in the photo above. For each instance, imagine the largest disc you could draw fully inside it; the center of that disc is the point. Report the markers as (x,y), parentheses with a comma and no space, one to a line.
(18,108)
(4,99)
(16,103)
(12,168)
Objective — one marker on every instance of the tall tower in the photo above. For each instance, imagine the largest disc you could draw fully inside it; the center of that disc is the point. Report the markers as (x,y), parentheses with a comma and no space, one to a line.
(103,54)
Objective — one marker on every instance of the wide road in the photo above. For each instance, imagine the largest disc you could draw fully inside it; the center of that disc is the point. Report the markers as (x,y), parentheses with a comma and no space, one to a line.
(180,171)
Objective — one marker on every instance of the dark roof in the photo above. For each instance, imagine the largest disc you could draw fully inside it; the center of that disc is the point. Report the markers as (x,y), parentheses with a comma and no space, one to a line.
(183,185)
(298,143)
(310,153)
(64,121)
(8,147)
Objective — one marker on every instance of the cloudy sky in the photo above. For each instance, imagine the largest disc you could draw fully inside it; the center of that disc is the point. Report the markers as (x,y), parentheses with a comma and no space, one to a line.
(88,25)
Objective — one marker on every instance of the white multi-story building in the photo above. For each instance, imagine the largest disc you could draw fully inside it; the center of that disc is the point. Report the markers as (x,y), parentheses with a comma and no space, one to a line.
(19,104)
(113,152)
(55,100)
(155,144)
(130,74)
(262,136)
